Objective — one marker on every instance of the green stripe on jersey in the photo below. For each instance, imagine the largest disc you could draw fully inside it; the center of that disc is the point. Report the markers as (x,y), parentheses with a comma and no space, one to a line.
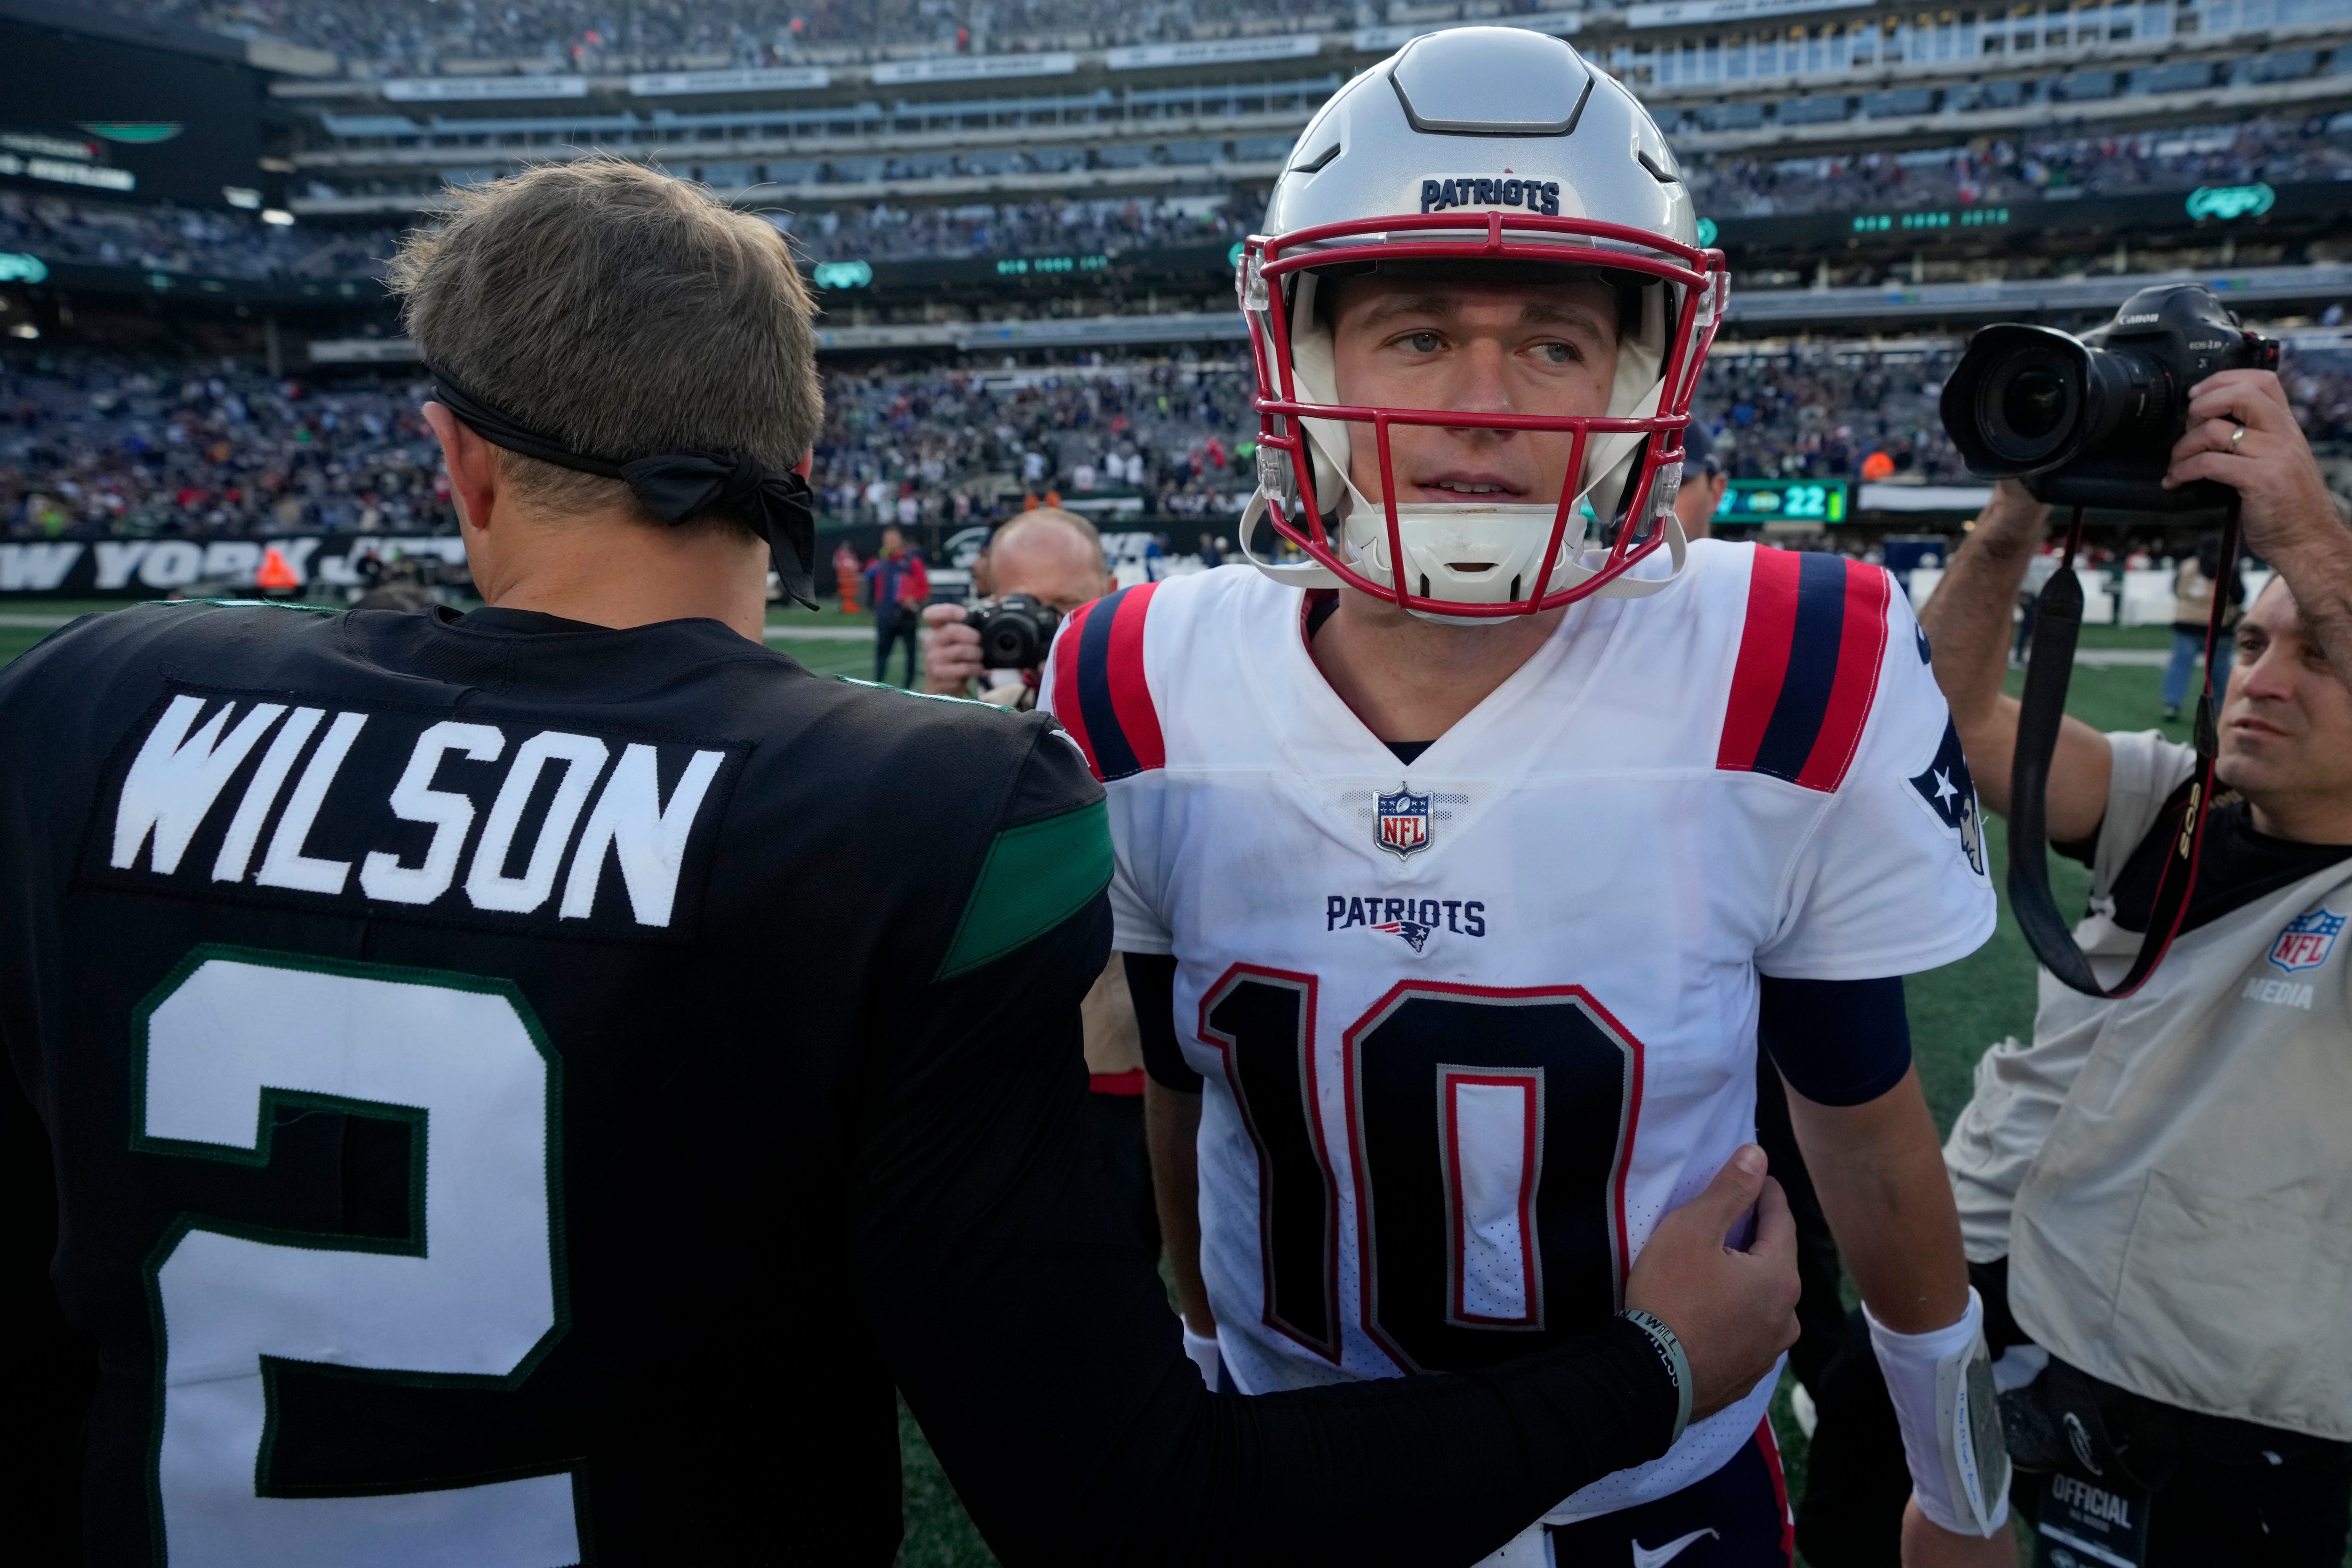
(1036,876)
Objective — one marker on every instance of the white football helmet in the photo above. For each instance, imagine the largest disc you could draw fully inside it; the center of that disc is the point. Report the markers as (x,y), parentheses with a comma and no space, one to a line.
(1493,149)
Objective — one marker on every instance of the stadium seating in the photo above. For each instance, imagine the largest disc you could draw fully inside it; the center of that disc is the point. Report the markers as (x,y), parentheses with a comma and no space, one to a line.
(94,443)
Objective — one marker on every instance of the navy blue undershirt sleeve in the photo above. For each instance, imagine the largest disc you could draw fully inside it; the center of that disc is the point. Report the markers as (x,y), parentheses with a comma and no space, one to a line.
(1151,984)
(1838,1042)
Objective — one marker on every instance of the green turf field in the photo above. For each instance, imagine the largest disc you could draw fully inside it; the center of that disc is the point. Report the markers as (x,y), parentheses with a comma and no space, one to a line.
(1956,1011)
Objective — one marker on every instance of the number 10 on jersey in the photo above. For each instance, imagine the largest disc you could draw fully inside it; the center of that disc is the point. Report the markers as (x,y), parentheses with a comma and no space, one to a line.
(1487,1132)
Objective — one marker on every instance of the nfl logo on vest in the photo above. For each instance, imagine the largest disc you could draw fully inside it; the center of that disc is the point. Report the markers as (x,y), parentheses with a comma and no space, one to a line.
(2306,940)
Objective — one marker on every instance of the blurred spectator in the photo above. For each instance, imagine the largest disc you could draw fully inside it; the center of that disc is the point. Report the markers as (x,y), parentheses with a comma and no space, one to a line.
(2193,585)
(1703,483)
(846,572)
(899,584)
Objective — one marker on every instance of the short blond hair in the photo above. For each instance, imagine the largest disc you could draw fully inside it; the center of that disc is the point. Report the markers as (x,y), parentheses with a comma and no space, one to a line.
(618,311)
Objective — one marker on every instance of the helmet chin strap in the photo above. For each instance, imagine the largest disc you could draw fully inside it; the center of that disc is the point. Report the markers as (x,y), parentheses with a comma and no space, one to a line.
(1302,574)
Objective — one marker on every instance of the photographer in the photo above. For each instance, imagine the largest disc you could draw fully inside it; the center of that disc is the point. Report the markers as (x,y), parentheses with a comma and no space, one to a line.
(2160,1182)
(1053,557)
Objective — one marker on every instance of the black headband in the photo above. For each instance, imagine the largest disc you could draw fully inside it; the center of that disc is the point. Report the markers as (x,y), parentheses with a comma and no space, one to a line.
(675,485)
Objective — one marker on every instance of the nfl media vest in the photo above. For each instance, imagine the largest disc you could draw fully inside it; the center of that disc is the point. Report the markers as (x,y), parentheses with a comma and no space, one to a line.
(2169,1174)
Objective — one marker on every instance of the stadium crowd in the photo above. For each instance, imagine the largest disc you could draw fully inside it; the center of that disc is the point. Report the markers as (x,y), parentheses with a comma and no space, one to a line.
(410,38)
(99,443)
(184,241)
(906,233)
(1993,172)
(94,443)
(238,246)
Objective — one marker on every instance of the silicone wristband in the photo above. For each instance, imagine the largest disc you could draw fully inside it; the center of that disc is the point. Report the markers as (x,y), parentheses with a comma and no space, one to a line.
(1677,1364)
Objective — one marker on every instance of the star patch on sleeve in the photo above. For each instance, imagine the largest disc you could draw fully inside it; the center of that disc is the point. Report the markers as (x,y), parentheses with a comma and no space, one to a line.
(1947,793)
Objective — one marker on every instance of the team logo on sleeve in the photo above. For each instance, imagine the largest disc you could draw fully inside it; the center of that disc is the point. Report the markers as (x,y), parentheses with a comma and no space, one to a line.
(1949,795)
(2307,941)
(1401,823)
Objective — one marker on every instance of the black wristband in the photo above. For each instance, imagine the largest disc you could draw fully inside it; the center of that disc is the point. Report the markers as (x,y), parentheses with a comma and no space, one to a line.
(1670,1350)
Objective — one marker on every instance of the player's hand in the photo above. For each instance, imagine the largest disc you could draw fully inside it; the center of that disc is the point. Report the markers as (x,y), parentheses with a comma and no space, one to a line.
(1735,1311)
(2012,522)
(951,651)
(1927,1544)
(2285,502)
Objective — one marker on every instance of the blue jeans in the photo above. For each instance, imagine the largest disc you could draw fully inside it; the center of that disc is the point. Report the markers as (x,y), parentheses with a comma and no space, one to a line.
(2186,647)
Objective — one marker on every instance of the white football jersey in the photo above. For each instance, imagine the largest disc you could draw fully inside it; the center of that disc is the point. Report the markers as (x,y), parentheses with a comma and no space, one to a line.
(1468,1028)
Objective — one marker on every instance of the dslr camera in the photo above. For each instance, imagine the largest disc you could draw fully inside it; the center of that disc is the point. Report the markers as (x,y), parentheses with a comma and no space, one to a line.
(1014,631)
(2091,421)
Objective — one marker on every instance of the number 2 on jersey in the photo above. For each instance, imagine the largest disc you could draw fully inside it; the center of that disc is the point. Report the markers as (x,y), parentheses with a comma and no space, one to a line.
(1487,1132)
(470,1298)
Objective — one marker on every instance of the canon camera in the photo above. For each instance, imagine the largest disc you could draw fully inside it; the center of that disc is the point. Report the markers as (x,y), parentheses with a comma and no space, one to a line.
(1014,631)
(2091,421)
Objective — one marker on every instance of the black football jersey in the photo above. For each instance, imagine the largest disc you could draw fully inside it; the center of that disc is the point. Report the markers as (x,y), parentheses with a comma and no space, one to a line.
(523,1093)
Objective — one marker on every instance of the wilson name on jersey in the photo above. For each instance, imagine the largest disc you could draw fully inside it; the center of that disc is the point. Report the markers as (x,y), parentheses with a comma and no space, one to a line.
(378,808)
(1469,1027)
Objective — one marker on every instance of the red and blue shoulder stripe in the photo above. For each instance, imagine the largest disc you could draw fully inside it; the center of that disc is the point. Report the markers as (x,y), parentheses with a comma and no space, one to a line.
(1809,662)
(1099,694)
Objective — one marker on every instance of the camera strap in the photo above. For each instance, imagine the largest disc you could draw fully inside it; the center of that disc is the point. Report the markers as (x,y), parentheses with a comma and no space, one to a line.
(2057,624)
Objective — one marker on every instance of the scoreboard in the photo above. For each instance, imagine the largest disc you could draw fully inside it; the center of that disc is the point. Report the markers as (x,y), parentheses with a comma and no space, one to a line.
(1823,501)
(81,114)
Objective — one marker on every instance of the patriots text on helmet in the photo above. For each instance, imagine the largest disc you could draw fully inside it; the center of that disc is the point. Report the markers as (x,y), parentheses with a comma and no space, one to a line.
(1536,196)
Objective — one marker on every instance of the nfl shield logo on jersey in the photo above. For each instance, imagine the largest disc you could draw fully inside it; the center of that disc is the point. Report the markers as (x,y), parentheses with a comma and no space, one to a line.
(2306,940)
(1401,822)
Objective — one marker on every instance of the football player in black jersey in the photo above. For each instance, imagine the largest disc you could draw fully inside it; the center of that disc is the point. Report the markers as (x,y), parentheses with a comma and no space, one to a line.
(522,1088)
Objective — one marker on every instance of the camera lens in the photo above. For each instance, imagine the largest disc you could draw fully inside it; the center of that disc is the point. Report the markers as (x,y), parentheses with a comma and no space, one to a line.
(2034,402)
(2027,405)
(1009,643)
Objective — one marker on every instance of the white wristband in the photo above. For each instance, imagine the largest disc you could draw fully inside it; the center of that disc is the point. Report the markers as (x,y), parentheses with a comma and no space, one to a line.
(1941,1385)
(1203,1349)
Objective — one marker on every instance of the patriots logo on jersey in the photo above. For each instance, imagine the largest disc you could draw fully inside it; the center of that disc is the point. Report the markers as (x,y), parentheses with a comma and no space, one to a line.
(2307,940)
(1412,931)
(1950,794)
(1401,823)
(1416,920)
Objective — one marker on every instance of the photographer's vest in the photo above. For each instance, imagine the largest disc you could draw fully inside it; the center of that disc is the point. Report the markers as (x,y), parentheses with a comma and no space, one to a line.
(2170,1175)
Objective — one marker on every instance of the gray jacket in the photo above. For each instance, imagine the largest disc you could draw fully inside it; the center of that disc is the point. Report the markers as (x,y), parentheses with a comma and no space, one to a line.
(2170,1175)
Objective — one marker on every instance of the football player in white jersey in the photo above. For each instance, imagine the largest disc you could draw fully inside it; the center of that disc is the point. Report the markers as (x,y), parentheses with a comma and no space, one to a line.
(1462,861)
